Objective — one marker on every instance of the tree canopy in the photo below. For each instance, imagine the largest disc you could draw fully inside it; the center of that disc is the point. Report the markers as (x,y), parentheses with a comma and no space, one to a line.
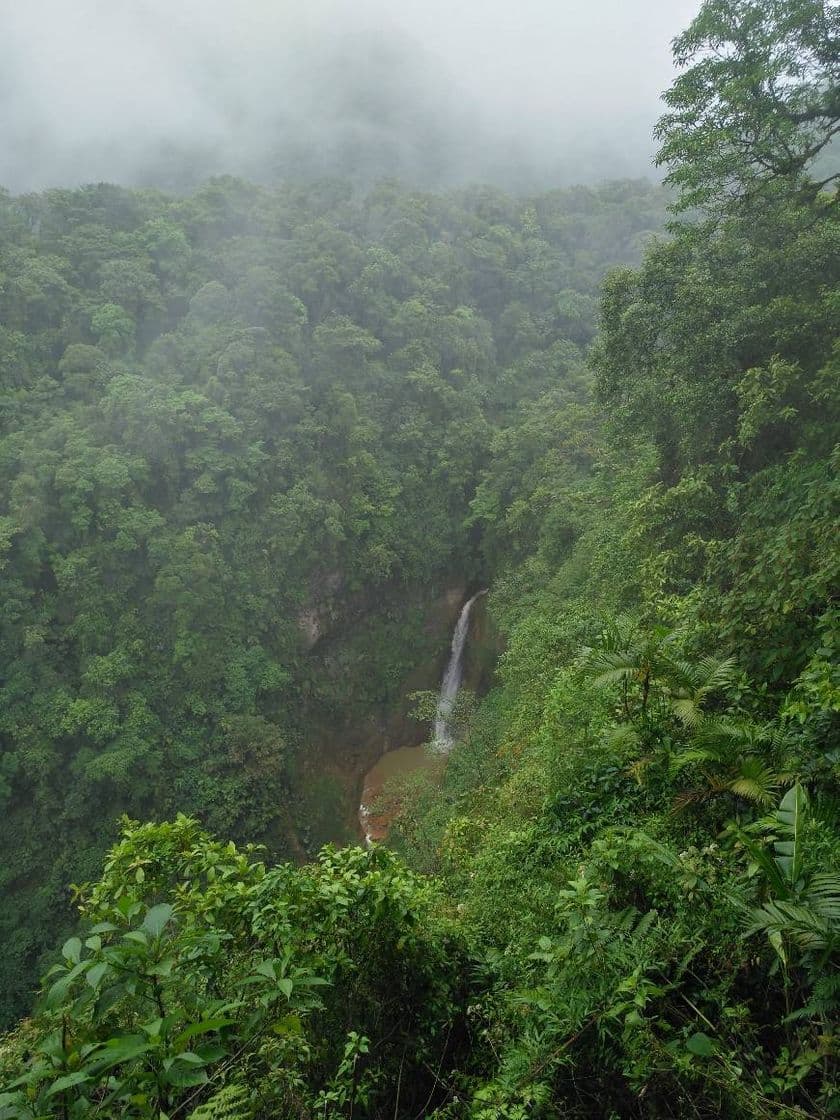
(758,103)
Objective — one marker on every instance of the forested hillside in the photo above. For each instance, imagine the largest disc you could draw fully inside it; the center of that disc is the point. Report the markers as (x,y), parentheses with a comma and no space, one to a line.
(241,432)
(248,435)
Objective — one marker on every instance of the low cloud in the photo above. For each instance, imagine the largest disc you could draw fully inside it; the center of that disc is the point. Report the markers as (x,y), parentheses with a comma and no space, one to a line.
(530,94)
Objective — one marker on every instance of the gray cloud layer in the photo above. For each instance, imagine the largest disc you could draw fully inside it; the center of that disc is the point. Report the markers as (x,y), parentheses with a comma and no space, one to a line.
(167,91)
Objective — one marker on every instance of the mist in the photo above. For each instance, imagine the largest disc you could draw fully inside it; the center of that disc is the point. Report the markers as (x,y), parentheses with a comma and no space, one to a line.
(167,92)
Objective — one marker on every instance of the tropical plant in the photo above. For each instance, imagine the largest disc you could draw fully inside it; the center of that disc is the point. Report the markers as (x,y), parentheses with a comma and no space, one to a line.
(803,905)
(231,995)
(647,660)
(734,755)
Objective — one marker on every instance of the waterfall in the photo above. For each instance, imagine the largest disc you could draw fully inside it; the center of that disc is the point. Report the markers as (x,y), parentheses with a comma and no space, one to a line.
(444,740)
(406,760)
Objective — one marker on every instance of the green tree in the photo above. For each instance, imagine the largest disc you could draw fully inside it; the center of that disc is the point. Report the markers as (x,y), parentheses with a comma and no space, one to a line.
(758,102)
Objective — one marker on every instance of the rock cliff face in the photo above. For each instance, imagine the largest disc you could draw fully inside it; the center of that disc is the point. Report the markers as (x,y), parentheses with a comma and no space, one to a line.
(483,649)
(309,624)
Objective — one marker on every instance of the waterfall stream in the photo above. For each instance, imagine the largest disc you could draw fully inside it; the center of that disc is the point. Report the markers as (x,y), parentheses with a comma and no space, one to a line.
(451,685)
(407,760)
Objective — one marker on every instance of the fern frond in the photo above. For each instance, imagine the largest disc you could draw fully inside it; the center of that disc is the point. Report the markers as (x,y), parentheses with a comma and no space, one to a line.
(823,895)
(644,924)
(713,674)
(681,675)
(697,680)
(622,737)
(690,797)
(717,729)
(824,1001)
(690,757)
(613,676)
(826,808)
(231,1102)
(750,790)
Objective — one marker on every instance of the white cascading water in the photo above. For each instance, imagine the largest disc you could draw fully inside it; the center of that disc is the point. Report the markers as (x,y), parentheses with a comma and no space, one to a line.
(444,739)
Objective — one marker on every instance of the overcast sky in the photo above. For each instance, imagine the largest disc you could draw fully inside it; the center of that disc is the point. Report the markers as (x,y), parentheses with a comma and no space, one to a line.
(527,92)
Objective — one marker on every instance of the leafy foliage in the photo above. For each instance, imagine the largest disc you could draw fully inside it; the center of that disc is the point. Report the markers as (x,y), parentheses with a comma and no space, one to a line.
(759,102)
(230,998)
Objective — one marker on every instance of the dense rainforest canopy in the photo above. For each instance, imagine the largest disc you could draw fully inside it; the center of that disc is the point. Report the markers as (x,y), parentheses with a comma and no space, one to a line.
(240,438)
(246,436)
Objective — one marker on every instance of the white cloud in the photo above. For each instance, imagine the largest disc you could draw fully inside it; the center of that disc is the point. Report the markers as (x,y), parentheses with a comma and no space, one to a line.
(115,89)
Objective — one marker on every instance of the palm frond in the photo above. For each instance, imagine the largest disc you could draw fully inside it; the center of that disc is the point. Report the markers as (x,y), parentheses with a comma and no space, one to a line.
(723,729)
(800,924)
(711,673)
(823,895)
(692,756)
(680,674)
(607,674)
(622,737)
(687,711)
(687,797)
(754,781)
(824,1000)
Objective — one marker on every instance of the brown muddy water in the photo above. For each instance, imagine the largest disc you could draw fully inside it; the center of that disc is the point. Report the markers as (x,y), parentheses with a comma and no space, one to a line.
(382,794)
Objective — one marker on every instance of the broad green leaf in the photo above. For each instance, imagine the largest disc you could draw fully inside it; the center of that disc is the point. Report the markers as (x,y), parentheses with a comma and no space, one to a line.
(103,927)
(701,1045)
(95,974)
(118,1050)
(67,1082)
(201,1027)
(157,919)
(211,1051)
(288,1025)
(190,1058)
(61,987)
(791,815)
(153,1028)
(72,950)
(185,1077)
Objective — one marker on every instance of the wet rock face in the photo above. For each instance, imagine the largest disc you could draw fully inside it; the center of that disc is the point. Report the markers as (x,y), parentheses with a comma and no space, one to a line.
(486,644)
(314,620)
(309,625)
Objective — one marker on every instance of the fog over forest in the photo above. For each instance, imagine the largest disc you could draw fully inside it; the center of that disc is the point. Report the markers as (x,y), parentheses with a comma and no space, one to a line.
(531,94)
